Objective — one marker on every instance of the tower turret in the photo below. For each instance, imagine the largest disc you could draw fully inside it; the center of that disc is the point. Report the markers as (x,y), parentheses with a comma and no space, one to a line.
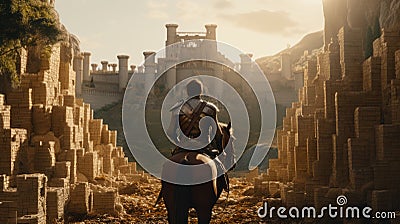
(171,34)
(211,30)
(86,66)
(123,71)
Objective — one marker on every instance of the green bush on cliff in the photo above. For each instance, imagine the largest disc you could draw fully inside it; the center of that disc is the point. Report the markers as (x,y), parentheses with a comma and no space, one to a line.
(24,23)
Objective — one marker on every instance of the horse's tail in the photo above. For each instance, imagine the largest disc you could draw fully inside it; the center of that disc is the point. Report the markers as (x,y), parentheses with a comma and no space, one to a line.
(159,197)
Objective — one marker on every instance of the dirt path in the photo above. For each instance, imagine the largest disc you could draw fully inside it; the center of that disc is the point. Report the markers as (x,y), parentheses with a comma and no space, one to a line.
(139,206)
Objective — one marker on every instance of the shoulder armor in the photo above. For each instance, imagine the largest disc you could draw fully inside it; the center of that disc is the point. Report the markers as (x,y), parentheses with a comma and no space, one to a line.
(177,105)
(211,109)
(213,106)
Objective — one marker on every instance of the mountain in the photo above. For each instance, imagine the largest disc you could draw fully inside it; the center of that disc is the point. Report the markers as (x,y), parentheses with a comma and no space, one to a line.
(312,42)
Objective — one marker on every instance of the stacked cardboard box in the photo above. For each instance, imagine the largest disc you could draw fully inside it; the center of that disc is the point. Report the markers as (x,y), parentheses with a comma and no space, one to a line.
(113,138)
(105,135)
(261,187)
(390,44)
(395,101)
(382,201)
(45,157)
(311,154)
(310,72)
(8,212)
(31,219)
(387,142)
(273,187)
(372,75)
(12,141)
(62,170)
(4,182)
(351,58)
(80,199)
(32,192)
(105,201)
(55,204)
(397,64)
(72,158)
(95,127)
(89,165)
(62,183)
(300,162)
(5,114)
(21,105)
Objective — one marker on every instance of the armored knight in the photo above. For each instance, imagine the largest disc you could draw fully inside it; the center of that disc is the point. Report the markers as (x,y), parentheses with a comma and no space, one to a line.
(187,116)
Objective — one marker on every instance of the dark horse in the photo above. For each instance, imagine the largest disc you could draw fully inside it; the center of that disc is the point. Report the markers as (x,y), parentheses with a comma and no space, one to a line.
(202,197)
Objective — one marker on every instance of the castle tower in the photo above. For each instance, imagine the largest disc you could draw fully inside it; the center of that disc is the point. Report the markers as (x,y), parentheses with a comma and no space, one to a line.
(245,62)
(114,67)
(170,54)
(86,66)
(211,31)
(78,68)
(104,65)
(211,34)
(149,68)
(286,66)
(171,39)
(123,71)
(133,68)
(150,62)
(94,67)
(171,34)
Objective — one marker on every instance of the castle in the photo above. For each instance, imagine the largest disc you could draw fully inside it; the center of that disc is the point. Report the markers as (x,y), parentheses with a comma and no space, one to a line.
(103,85)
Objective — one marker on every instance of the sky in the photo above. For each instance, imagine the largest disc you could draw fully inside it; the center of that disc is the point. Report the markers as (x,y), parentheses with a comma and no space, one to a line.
(262,27)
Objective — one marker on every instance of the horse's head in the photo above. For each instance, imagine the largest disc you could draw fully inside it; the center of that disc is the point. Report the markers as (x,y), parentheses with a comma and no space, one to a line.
(226,133)
(228,156)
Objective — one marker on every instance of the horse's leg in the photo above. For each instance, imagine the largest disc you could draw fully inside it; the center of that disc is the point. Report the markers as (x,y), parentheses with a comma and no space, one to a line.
(204,202)
(204,214)
(168,196)
(181,204)
(176,202)
(182,215)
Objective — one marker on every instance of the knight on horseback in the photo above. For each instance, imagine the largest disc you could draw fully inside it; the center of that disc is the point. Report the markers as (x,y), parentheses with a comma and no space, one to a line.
(201,140)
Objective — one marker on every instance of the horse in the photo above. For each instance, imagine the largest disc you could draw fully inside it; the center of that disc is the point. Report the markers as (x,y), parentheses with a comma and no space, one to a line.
(178,199)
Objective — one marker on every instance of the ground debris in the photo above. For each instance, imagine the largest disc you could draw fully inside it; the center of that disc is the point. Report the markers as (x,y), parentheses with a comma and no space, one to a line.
(140,207)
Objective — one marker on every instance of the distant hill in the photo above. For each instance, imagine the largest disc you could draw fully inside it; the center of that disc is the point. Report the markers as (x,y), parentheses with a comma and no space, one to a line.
(312,42)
